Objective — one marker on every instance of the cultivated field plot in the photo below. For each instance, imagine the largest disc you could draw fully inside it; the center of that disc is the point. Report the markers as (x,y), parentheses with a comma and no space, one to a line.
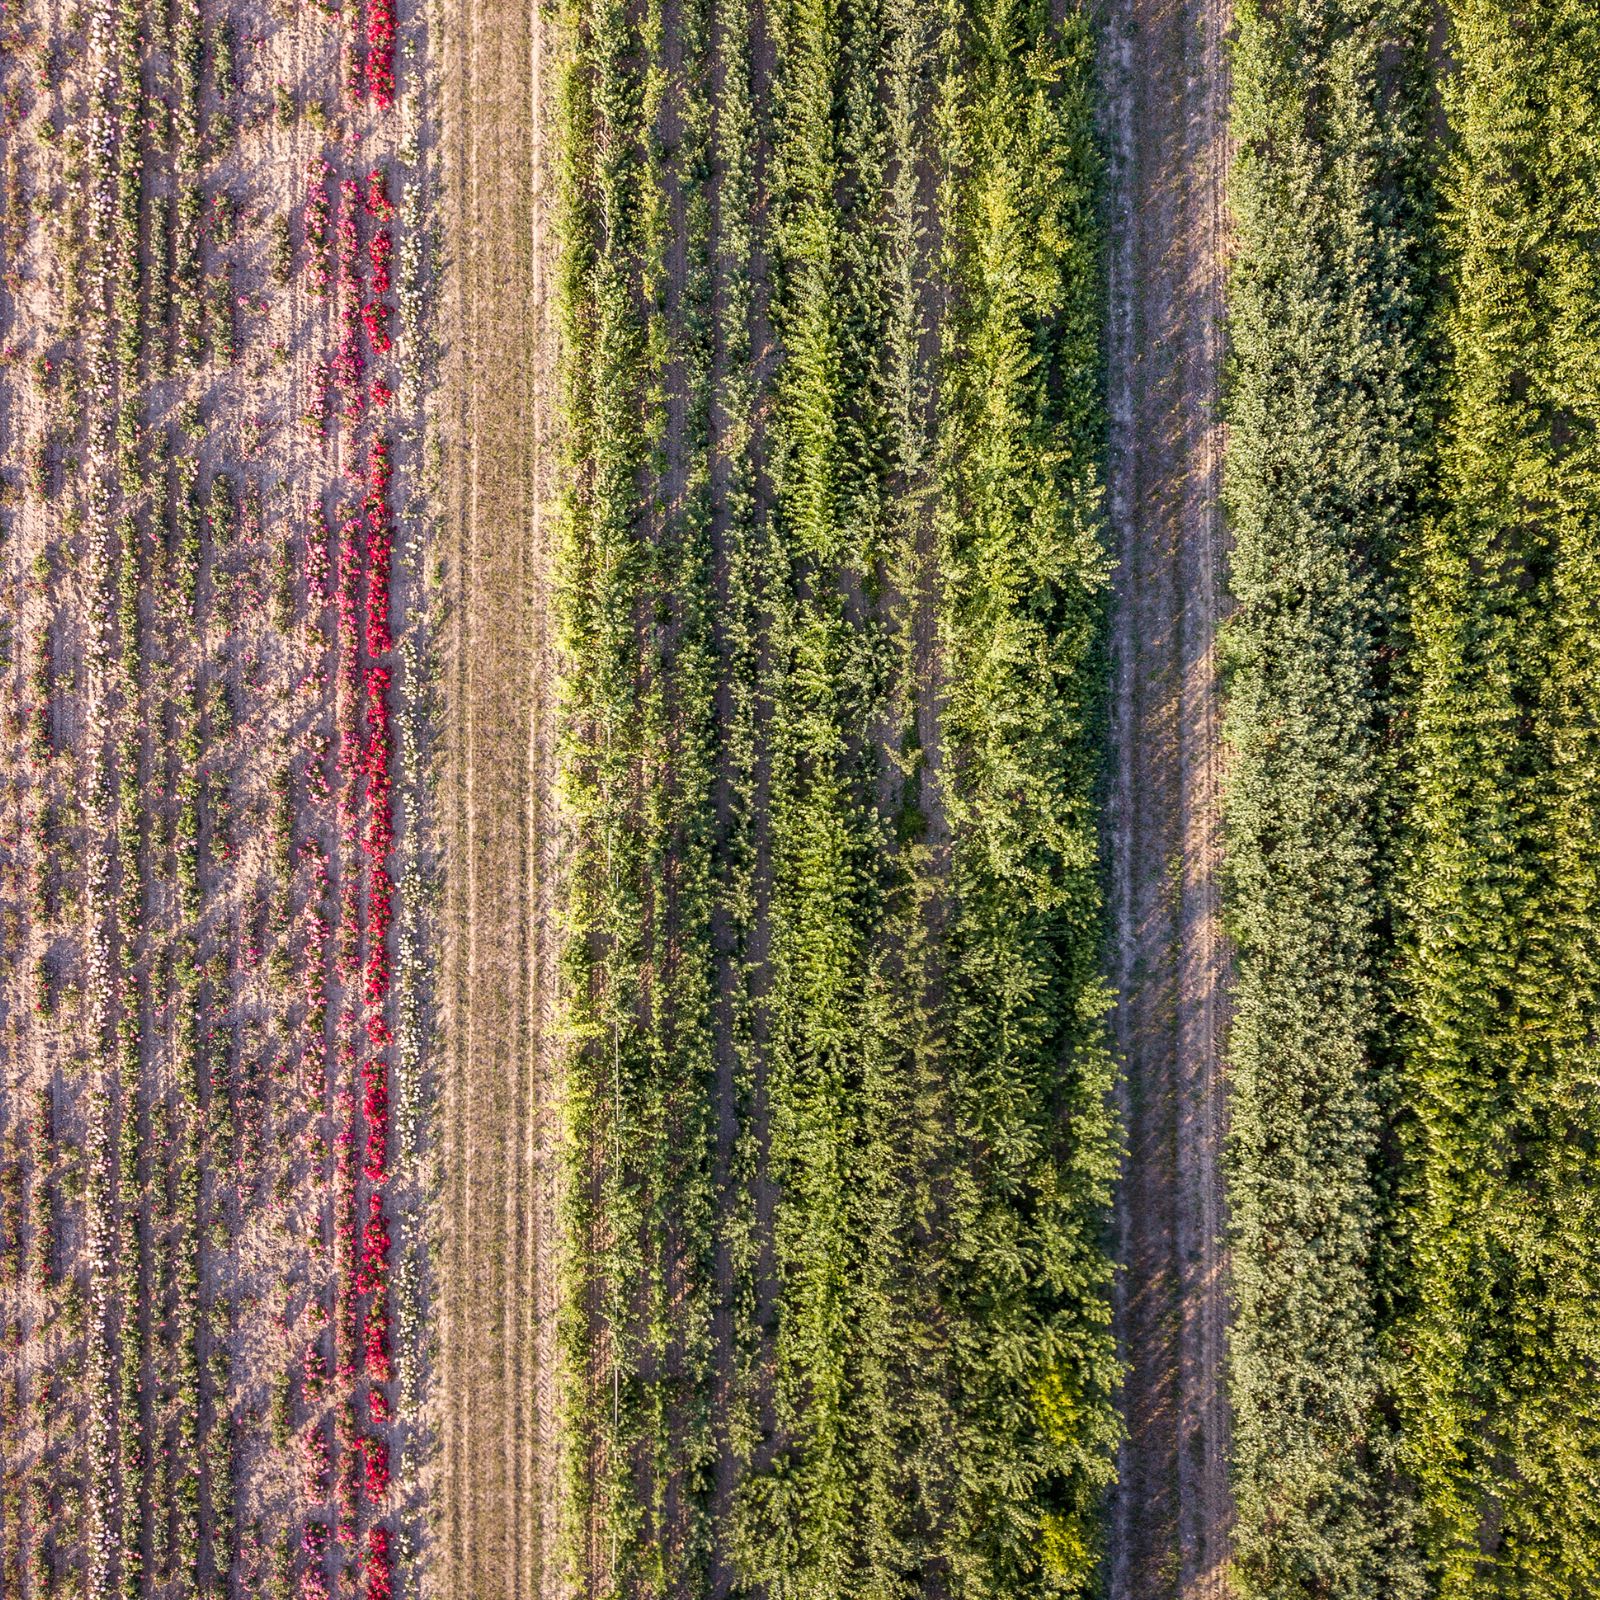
(798,800)
(217,866)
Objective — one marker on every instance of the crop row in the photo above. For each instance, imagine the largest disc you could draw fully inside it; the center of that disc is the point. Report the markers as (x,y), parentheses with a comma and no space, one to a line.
(639,764)
(1025,576)
(818,982)
(1499,992)
(181,1052)
(1323,485)
(1414,499)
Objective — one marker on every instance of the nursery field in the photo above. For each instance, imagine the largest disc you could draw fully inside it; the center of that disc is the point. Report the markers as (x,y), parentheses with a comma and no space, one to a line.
(217,871)
(1410,854)
(798,800)
(832,587)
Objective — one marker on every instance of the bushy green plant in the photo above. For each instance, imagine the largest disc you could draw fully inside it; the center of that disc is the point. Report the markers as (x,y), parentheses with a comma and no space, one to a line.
(1501,989)
(1327,455)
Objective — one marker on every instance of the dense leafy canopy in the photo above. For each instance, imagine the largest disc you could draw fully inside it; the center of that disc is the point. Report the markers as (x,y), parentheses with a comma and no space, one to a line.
(838,1100)
(1413,867)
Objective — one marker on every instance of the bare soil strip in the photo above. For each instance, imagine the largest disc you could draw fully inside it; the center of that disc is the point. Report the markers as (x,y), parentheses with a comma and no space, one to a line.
(1165,80)
(497,1401)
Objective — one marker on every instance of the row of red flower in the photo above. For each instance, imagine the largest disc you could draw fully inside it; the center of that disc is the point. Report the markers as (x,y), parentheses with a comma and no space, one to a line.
(365,825)
(362,307)
(371,71)
(347,1459)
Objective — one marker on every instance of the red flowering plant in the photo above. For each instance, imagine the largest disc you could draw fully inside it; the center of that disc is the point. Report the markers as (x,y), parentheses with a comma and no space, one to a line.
(378,204)
(373,315)
(362,1365)
(380,250)
(380,52)
(317,215)
(379,1573)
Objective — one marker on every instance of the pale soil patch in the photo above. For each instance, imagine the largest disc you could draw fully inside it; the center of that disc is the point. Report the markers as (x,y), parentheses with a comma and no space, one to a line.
(499,1471)
(269,1203)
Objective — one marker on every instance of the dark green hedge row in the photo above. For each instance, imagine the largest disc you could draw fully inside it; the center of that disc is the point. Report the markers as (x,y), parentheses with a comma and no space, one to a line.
(1324,470)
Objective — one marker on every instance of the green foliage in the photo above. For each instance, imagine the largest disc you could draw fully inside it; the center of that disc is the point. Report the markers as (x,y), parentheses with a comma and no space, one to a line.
(1502,872)
(1024,575)
(858,1341)
(809,1517)
(1327,451)
(1413,717)
(636,593)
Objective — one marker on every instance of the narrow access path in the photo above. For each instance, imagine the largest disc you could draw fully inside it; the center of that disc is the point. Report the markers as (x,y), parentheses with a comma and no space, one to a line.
(1165,86)
(498,1467)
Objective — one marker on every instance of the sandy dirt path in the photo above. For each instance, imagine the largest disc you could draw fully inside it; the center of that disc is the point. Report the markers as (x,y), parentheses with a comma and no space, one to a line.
(1164,73)
(498,1468)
